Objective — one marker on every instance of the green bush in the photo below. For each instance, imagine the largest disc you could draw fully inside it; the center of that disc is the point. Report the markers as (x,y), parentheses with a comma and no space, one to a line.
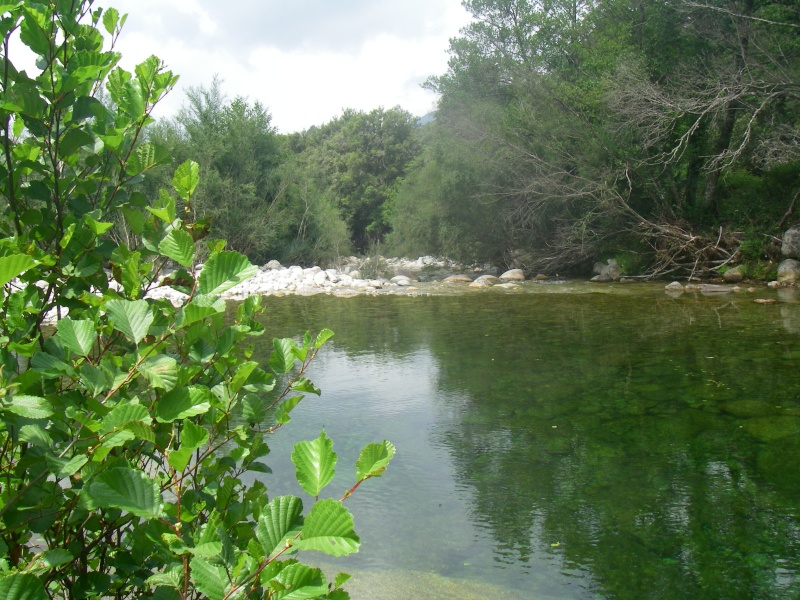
(127,422)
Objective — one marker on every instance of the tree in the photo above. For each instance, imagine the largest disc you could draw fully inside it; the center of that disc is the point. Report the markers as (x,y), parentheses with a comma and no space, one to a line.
(603,137)
(239,152)
(360,158)
(127,422)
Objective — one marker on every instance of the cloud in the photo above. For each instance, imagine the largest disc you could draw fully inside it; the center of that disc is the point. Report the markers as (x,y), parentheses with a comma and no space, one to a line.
(306,60)
(310,25)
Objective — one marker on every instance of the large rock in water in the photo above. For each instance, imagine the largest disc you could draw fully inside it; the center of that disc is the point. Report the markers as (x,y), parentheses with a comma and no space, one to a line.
(789,271)
(608,272)
(791,242)
(457,279)
(734,275)
(513,275)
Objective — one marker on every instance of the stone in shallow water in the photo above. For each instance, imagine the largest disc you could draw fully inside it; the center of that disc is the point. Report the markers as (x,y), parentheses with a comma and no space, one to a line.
(457,279)
(513,275)
(775,461)
(675,286)
(747,409)
(767,429)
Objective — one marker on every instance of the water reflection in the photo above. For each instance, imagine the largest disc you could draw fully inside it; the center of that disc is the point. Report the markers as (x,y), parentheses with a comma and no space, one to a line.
(564,446)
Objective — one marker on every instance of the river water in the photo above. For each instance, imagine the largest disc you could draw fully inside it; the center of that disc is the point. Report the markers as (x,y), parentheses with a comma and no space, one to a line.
(567,441)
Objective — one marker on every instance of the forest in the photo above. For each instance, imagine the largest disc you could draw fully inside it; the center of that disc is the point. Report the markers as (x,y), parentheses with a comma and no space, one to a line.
(663,134)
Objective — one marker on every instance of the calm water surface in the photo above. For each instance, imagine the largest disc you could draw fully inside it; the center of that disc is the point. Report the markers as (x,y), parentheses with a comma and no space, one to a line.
(573,443)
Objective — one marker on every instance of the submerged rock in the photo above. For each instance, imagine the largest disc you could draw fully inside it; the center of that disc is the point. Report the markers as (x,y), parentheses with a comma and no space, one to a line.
(767,429)
(711,289)
(747,409)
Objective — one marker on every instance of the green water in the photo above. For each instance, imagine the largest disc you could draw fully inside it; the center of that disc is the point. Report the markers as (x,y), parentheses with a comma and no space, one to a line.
(622,444)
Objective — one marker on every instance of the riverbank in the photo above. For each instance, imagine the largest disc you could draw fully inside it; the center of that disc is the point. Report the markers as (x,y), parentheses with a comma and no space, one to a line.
(428,275)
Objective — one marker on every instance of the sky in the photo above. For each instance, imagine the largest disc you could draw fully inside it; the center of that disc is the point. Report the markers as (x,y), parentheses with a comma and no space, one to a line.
(304,60)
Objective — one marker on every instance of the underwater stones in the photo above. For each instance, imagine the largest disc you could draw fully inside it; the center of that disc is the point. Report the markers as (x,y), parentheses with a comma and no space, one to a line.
(767,429)
(747,409)
(772,461)
(711,289)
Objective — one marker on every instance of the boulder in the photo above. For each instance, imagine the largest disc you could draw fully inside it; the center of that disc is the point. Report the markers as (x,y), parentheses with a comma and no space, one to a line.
(610,271)
(513,275)
(791,242)
(734,275)
(490,279)
(401,280)
(675,286)
(541,277)
(272,265)
(789,271)
(457,279)
(481,283)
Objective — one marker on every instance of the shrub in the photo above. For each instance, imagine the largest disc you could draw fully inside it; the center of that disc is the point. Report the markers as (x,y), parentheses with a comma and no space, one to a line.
(127,422)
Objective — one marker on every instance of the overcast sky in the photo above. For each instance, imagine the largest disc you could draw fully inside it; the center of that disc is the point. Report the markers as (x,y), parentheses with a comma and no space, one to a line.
(305,60)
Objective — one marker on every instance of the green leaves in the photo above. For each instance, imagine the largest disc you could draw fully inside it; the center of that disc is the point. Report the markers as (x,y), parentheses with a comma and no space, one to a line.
(21,586)
(130,317)
(209,579)
(182,403)
(279,522)
(329,528)
(123,399)
(186,178)
(31,407)
(14,265)
(315,463)
(127,489)
(161,371)
(374,459)
(179,246)
(77,336)
(222,271)
(145,157)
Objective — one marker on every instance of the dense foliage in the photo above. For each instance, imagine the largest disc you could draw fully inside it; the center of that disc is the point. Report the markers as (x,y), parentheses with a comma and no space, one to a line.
(570,130)
(127,422)
(664,134)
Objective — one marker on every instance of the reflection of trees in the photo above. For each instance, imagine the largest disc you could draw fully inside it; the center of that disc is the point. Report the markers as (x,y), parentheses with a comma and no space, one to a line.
(607,438)
(596,423)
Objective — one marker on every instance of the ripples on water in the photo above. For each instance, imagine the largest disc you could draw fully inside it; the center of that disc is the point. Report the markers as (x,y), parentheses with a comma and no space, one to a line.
(559,446)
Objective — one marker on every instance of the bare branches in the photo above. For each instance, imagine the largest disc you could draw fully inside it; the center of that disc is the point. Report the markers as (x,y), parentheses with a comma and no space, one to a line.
(739,15)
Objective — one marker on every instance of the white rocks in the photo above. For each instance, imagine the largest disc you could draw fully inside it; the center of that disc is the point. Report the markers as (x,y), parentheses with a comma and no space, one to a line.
(513,275)
(789,271)
(675,286)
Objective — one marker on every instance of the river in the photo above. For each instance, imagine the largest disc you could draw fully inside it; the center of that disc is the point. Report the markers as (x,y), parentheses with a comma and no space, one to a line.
(570,441)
